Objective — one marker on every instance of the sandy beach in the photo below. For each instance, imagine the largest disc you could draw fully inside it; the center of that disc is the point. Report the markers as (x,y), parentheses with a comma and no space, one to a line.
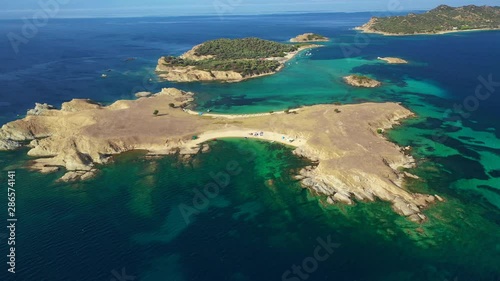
(284,139)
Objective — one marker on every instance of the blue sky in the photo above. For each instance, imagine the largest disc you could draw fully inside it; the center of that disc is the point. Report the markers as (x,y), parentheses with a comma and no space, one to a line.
(105,8)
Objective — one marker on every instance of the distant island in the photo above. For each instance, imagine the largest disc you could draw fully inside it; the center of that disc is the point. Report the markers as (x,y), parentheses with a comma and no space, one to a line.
(76,140)
(442,19)
(393,60)
(310,37)
(228,60)
(361,81)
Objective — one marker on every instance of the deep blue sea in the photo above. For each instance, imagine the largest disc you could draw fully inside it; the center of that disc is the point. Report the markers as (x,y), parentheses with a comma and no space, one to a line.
(125,224)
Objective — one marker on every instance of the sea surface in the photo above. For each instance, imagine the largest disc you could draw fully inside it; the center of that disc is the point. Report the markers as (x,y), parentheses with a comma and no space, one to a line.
(155,219)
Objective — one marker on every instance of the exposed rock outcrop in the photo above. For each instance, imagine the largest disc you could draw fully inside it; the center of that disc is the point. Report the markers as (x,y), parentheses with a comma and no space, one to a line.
(393,60)
(143,94)
(6,144)
(190,73)
(39,109)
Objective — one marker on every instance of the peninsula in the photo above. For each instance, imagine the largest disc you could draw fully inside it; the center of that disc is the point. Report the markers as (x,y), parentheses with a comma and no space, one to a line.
(442,19)
(310,37)
(228,60)
(354,162)
(361,81)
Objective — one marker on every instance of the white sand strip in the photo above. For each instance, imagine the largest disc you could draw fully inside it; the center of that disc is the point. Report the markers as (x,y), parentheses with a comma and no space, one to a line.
(242,133)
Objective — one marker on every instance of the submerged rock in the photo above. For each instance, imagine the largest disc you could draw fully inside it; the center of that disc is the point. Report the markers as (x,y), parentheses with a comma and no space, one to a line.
(73,176)
(342,198)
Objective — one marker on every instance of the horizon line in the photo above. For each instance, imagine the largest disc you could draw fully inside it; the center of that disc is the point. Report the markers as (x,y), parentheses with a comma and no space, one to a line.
(215,14)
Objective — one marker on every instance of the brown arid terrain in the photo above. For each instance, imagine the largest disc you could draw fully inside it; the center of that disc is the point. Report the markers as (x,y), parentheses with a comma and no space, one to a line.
(192,74)
(354,160)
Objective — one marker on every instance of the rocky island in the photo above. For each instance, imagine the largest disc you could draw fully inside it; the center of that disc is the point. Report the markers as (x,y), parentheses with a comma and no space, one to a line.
(310,37)
(361,81)
(228,60)
(354,162)
(442,19)
(393,60)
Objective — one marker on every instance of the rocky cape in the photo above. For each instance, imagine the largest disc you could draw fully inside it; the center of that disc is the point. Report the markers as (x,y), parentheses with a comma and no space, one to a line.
(192,74)
(353,161)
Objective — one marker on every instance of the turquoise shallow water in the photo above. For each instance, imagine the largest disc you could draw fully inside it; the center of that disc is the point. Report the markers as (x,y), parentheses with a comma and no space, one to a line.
(262,223)
(256,227)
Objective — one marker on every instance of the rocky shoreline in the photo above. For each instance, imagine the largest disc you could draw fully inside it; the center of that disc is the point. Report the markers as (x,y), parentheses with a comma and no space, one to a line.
(354,161)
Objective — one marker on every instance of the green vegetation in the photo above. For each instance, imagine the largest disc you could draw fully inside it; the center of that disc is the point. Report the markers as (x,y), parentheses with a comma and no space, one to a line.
(155,112)
(380,131)
(171,105)
(246,48)
(361,78)
(246,67)
(315,36)
(337,110)
(440,19)
(245,56)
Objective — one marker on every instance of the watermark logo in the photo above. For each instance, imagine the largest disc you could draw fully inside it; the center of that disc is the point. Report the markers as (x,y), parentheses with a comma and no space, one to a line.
(220,180)
(121,276)
(462,111)
(363,40)
(223,7)
(309,265)
(48,9)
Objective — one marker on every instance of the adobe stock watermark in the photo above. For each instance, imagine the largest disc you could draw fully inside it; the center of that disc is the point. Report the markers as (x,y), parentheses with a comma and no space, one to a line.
(309,265)
(223,7)
(220,180)
(461,111)
(122,275)
(47,9)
